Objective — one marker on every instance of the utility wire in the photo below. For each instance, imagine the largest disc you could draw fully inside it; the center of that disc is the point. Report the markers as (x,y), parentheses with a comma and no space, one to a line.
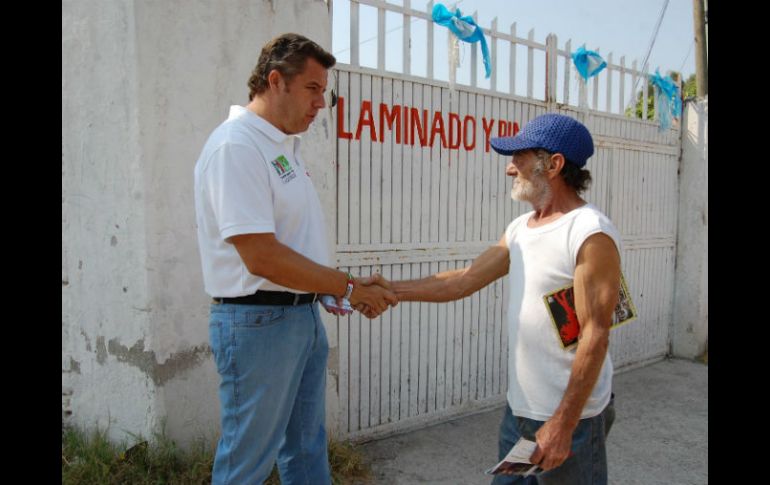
(649,50)
(686,57)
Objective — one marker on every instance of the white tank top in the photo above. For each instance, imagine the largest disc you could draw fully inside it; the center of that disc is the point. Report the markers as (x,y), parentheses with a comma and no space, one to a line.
(542,260)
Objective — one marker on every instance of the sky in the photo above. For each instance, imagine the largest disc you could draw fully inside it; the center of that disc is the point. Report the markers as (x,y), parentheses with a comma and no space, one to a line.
(623,27)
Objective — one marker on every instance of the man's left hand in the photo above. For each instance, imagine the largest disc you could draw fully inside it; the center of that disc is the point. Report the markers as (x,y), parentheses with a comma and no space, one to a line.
(554,441)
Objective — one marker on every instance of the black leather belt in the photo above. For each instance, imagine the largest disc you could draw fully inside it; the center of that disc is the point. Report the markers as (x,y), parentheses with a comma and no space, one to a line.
(263,297)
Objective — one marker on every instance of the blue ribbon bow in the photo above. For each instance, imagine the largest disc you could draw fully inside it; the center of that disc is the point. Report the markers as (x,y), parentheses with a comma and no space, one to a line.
(464,28)
(588,63)
(669,102)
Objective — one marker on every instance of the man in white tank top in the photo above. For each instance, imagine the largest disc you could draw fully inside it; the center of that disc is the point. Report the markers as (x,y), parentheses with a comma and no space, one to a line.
(559,397)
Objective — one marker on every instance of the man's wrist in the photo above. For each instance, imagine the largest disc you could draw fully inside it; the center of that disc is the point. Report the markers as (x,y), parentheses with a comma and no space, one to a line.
(349,288)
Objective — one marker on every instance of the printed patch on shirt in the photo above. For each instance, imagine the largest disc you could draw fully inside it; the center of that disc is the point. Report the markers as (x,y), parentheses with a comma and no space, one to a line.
(284,169)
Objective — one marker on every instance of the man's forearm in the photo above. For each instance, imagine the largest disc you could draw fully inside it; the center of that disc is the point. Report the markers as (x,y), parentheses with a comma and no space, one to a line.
(589,358)
(286,267)
(439,287)
(453,285)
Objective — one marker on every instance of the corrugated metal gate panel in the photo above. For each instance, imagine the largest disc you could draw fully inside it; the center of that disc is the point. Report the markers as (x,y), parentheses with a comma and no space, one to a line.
(409,211)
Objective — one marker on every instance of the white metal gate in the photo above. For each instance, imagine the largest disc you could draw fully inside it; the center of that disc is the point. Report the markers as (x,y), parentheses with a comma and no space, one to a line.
(420,191)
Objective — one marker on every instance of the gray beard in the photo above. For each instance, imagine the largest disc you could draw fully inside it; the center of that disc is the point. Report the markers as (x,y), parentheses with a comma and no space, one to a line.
(536,192)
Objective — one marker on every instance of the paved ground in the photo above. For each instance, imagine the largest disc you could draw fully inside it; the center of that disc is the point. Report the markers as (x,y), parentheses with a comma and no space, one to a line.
(660,436)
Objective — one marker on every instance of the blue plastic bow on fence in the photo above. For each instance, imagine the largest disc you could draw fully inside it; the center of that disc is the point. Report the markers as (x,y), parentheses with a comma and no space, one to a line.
(464,28)
(669,102)
(588,63)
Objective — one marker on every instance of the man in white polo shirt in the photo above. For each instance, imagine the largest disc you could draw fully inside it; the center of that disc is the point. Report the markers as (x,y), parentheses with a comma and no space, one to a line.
(265,259)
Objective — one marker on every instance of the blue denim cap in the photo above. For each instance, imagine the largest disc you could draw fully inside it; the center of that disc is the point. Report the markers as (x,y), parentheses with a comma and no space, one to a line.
(553,132)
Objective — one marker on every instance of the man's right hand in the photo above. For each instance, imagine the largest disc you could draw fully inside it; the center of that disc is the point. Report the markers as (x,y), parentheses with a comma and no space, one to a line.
(372,295)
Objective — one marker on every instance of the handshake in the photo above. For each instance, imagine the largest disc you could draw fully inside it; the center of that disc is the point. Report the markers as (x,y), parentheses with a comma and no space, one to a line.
(371,296)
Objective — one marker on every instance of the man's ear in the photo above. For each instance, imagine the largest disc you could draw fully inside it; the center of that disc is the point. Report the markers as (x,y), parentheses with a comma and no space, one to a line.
(275,80)
(557,163)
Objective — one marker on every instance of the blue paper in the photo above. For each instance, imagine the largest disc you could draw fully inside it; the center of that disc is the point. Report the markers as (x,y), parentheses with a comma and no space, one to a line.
(669,101)
(588,63)
(465,29)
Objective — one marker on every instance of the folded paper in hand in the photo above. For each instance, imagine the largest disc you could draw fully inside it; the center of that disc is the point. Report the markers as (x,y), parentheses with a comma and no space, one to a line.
(517,460)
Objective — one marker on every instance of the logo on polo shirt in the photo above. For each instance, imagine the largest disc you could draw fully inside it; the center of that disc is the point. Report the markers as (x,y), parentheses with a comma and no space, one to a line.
(283,168)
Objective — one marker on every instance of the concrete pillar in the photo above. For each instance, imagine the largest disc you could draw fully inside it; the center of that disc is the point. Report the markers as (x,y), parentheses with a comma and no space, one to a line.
(690,332)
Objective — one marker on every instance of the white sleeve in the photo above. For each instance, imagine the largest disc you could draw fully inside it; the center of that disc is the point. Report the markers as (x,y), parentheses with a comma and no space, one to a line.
(238,186)
(588,225)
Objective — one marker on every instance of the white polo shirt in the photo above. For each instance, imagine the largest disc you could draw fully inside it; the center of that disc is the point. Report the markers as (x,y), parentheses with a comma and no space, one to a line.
(250,179)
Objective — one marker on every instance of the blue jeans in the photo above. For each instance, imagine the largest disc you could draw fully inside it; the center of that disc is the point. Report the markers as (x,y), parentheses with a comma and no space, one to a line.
(587,465)
(272,364)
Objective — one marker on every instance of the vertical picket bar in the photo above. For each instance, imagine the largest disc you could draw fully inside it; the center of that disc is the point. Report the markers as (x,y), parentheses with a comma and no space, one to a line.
(441,347)
(343,348)
(381,39)
(396,354)
(386,356)
(458,323)
(466,370)
(550,68)
(530,61)
(645,95)
(429,48)
(407,40)
(512,67)
(567,70)
(365,350)
(438,173)
(354,352)
(417,161)
(608,107)
(408,153)
(342,118)
(634,79)
(474,60)
(478,165)
(461,162)
(493,56)
(403,317)
(622,85)
(470,170)
(398,165)
(367,143)
(423,350)
(414,350)
(354,42)
(354,108)
(427,172)
(595,100)
(378,160)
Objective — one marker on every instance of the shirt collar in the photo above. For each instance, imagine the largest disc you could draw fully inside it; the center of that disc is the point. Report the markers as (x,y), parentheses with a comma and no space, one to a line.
(262,125)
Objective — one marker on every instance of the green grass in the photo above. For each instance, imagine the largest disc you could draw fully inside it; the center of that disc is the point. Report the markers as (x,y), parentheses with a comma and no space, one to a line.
(90,458)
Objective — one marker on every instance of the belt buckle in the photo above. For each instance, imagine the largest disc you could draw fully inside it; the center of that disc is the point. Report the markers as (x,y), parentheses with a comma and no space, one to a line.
(296,299)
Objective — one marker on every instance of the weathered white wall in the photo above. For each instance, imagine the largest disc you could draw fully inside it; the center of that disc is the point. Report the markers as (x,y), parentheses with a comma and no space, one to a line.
(143,85)
(104,247)
(690,335)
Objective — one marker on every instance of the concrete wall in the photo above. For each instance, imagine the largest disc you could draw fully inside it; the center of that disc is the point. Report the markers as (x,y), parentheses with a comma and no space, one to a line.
(143,85)
(690,333)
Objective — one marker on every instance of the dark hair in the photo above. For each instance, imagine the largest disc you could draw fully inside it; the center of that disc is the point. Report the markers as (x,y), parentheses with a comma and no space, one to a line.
(287,53)
(574,176)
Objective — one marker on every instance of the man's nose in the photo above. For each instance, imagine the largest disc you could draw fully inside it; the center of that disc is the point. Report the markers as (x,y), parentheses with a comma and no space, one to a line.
(510,169)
